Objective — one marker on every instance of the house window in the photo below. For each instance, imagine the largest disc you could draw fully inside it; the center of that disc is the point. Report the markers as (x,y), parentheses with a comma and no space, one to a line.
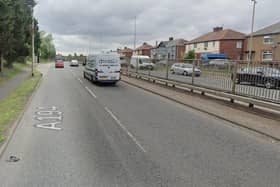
(205,44)
(266,55)
(239,45)
(268,40)
(194,45)
(214,43)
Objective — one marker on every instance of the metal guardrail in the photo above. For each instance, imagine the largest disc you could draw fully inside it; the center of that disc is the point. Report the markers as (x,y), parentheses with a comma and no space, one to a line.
(257,80)
(184,86)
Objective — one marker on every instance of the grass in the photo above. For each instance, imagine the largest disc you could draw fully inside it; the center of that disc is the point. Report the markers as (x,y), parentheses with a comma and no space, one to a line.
(11,72)
(13,104)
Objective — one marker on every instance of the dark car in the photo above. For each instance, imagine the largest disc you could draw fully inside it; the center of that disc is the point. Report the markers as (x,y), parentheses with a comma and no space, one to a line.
(265,76)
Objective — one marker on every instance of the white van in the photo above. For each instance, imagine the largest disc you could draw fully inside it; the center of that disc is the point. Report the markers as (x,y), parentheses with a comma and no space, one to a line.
(144,62)
(104,68)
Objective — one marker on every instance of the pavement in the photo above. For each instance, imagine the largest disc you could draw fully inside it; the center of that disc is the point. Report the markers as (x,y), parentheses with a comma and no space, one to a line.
(76,133)
(13,83)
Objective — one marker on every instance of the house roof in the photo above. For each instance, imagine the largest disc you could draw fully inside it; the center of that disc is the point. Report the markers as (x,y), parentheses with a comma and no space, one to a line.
(272,29)
(226,34)
(126,50)
(144,46)
(177,42)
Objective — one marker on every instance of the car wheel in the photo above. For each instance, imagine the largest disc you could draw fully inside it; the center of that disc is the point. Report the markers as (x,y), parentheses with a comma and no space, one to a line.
(172,71)
(85,77)
(185,73)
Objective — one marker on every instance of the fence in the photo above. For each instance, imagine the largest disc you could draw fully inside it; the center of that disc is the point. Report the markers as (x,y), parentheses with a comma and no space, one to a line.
(260,80)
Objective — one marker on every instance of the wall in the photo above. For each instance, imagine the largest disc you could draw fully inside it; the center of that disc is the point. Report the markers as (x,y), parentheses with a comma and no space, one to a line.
(259,47)
(229,48)
(200,47)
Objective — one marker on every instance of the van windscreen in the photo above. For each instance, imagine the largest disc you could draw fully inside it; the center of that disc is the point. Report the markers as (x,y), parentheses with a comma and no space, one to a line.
(109,62)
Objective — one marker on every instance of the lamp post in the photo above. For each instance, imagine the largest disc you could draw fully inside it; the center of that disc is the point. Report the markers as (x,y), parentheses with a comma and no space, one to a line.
(252,30)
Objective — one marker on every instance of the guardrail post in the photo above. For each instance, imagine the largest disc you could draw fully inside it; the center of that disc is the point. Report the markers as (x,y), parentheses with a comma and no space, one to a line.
(193,68)
(166,76)
(233,77)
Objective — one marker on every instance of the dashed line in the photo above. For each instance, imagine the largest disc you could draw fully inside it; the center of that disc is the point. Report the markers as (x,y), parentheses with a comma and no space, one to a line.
(80,80)
(126,131)
(91,93)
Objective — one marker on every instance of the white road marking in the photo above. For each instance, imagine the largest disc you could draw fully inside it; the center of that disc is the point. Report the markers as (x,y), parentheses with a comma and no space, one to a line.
(80,80)
(91,93)
(50,126)
(126,131)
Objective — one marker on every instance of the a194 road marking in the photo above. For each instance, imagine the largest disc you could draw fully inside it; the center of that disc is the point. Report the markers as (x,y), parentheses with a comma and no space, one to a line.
(49,118)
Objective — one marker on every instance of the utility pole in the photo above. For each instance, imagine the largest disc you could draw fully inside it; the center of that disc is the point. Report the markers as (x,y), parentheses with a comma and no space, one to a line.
(33,41)
(251,35)
(134,46)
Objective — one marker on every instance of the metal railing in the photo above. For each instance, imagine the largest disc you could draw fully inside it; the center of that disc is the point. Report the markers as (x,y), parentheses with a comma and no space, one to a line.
(259,80)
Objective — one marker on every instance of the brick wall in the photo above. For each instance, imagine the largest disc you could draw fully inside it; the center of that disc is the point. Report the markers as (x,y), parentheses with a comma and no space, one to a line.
(229,48)
(180,52)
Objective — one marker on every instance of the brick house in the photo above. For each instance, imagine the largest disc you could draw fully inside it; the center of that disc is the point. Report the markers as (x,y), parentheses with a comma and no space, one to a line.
(145,49)
(126,52)
(229,42)
(171,49)
(265,44)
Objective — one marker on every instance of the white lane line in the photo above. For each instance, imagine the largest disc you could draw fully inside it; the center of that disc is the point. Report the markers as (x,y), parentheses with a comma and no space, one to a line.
(126,131)
(91,93)
(80,80)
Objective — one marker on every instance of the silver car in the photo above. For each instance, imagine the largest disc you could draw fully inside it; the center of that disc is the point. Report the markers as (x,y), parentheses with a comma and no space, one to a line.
(185,69)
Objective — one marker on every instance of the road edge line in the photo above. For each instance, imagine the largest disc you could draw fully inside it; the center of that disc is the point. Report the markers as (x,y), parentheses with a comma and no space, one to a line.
(204,111)
(17,121)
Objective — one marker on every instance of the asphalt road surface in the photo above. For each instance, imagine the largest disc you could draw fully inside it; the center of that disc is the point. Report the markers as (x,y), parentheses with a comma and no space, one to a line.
(76,133)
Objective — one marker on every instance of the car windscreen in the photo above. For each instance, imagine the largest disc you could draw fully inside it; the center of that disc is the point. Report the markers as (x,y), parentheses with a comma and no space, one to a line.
(187,66)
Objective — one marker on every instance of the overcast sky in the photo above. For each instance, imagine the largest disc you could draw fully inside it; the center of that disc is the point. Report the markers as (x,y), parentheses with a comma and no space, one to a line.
(92,25)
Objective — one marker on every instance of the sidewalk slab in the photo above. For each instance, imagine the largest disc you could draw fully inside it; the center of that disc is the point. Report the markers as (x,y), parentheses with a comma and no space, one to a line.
(11,84)
(256,120)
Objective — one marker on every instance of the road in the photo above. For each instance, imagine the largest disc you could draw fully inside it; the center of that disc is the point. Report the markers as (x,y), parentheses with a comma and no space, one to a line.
(75,133)
(220,82)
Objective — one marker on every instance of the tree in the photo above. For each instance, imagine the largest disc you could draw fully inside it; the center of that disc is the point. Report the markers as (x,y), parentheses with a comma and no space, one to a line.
(15,30)
(47,47)
(190,55)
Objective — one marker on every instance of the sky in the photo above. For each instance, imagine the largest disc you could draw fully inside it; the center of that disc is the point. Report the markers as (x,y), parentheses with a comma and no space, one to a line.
(89,26)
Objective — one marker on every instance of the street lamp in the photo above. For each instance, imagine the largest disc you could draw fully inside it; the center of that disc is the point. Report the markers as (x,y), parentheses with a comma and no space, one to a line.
(252,30)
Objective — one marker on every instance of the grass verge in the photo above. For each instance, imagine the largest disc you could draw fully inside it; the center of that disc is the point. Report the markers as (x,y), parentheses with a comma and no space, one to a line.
(11,72)
(13,104)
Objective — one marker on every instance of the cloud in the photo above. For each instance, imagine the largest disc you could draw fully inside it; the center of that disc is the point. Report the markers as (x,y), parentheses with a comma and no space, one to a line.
(88,25)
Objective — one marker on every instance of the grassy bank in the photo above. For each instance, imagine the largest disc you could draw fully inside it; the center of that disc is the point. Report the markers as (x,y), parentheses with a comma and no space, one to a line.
(11,72)
(13,104)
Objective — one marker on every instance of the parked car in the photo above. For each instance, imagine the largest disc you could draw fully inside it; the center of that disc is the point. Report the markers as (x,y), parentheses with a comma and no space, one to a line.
(74,63)
(141,62)
(185,69)
(265,76)
(59,64)
(103,68)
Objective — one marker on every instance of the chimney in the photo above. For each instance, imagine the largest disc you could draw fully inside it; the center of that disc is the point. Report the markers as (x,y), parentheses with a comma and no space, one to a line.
(144,43)
(171,38)
(156,43)
(216,29)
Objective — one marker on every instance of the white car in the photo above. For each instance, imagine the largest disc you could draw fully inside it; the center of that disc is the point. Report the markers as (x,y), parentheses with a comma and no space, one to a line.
(74,63)
(141,62)
(103,68)
(185,69)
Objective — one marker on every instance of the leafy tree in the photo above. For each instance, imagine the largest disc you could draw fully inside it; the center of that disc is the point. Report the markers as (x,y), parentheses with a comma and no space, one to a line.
(190,55)
(47,47)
